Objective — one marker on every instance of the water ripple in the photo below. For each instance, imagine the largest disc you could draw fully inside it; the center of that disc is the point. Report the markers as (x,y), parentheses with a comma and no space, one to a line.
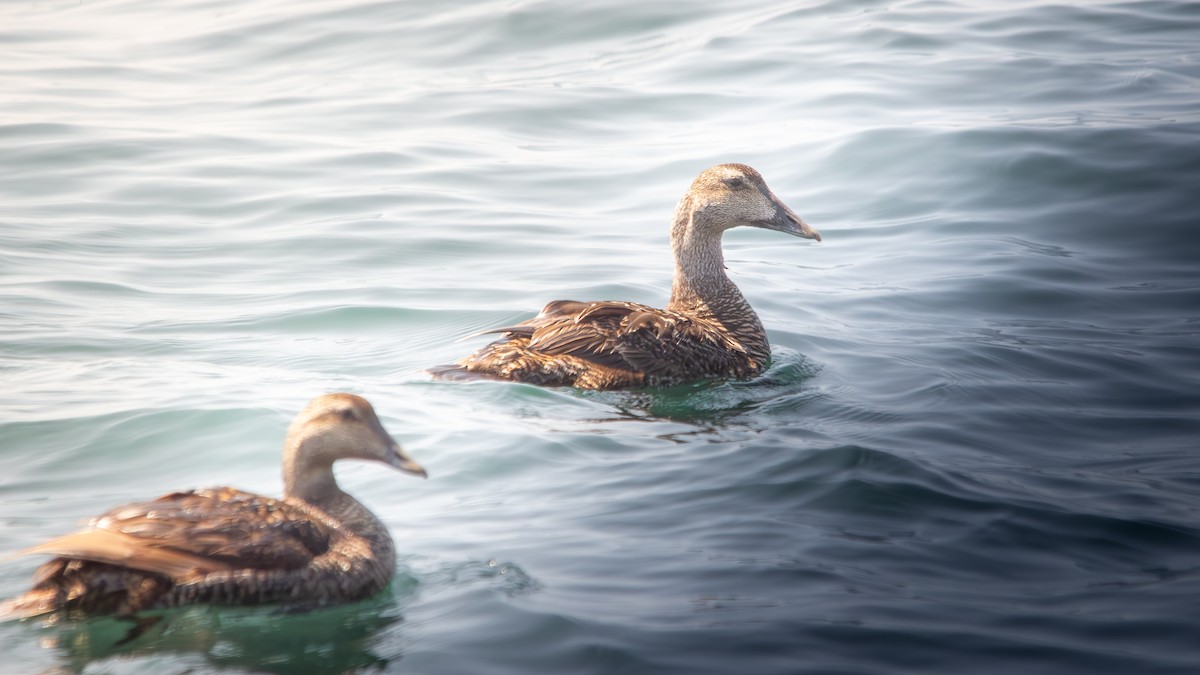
(975,444)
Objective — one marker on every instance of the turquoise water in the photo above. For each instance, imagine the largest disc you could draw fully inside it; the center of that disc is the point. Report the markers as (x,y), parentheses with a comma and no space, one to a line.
(975,450)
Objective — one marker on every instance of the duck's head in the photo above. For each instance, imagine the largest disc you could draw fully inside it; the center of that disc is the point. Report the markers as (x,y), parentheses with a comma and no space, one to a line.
(730,195)
(342,426)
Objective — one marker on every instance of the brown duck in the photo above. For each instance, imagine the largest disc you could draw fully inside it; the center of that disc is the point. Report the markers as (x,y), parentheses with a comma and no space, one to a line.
(316,546)
(707,330)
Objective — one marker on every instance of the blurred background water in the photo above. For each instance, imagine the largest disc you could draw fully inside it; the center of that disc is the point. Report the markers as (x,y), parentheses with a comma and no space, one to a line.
(975,450)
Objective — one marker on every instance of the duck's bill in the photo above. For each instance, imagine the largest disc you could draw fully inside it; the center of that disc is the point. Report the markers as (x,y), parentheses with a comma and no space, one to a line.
(785,220)
(399,459)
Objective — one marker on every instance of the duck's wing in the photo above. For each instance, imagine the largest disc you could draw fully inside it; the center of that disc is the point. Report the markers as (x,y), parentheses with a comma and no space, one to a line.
(200,531)
(623,335)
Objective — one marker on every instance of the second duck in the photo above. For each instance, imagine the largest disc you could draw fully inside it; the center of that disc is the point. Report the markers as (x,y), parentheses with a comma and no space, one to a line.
(707,330)
(222,546)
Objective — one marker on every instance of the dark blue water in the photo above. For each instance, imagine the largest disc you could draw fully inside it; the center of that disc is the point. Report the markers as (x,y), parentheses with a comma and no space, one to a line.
(975,451)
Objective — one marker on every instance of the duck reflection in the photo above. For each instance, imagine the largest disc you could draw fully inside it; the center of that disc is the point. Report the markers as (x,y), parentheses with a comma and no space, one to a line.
(361,636)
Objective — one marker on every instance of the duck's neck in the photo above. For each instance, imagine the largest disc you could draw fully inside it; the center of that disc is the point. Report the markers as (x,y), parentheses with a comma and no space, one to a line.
(311,481)
(702,289)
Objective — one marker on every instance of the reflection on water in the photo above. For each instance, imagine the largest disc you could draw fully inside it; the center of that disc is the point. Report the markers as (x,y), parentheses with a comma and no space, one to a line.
(718,403)
(333,640)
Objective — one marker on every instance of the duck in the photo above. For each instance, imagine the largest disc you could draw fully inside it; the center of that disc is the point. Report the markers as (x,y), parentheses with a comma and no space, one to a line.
(707,331)
(316,546)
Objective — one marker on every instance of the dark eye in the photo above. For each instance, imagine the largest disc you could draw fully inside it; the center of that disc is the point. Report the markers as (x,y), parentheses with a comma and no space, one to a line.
(348,415)
(735,182)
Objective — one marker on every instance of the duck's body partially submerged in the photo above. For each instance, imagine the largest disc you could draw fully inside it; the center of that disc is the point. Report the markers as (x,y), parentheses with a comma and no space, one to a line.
(316,546)
(707,330)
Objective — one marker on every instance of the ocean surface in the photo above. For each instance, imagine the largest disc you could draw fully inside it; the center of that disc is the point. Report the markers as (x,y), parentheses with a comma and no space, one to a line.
(977,449)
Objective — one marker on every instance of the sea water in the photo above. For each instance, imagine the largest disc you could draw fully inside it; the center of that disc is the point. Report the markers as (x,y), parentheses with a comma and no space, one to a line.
(975,450)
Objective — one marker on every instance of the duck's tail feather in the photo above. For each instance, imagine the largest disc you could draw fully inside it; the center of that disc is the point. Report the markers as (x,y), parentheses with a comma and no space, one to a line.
(32,603)
(125,550)
(516,330)
(453,372)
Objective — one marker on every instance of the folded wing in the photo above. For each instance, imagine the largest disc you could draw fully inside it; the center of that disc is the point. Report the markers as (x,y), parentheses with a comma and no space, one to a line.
(184,534)
(623,335)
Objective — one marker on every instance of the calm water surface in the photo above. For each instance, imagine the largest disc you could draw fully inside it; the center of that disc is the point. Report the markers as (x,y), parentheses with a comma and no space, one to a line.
(975,452)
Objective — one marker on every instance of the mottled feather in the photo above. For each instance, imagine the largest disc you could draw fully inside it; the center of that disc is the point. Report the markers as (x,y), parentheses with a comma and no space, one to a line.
(225,527)
(616,343)
(707,330)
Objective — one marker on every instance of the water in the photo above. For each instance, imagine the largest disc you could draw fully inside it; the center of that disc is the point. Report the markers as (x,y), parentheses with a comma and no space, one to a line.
(975,450)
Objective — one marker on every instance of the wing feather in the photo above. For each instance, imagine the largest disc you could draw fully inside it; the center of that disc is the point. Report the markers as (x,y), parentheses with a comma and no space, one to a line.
(184,533)
(623,335)
(127,550)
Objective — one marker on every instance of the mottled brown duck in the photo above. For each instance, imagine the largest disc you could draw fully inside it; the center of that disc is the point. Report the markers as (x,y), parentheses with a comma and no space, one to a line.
(707,330)
(316,546)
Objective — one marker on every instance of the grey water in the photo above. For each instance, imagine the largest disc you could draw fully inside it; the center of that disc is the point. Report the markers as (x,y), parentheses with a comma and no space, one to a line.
(975,450)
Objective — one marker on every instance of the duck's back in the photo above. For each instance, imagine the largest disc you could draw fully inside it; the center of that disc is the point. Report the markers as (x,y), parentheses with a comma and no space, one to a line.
(219,545)
(611,344)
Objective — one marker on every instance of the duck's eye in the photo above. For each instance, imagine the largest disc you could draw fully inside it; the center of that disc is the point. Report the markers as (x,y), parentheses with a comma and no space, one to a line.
(735,183)
(348,415)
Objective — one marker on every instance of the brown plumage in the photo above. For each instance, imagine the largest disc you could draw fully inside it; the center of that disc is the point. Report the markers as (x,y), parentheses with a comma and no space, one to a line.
(707,330)
(316,546)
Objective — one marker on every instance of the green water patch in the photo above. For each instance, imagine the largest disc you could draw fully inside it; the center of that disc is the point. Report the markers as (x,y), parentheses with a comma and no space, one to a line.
(716,401)
(266,639)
